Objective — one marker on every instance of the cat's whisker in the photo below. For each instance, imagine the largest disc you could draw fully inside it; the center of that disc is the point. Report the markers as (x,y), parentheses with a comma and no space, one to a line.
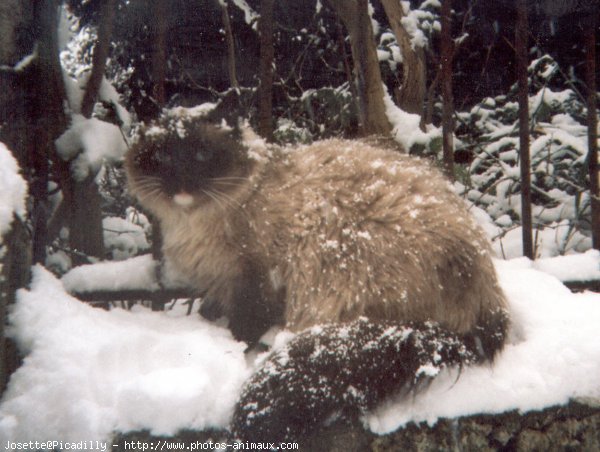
(212,196)
(222,178)
(233,202)
(229,183)
(225,203)
(146,185)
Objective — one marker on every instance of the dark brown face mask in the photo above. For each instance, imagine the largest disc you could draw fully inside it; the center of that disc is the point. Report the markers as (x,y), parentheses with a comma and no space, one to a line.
(188,157)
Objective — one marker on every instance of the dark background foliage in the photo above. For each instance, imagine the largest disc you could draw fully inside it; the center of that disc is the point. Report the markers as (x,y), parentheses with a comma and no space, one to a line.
(310,48)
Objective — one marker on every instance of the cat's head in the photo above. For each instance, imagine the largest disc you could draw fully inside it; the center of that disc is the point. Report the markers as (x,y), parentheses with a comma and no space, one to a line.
(186,162)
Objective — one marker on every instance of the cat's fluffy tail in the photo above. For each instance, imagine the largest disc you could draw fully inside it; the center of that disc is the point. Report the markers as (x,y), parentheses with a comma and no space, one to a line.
(349,368)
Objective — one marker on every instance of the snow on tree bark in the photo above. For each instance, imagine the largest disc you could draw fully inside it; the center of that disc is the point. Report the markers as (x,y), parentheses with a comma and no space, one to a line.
(354,14)
(411,94)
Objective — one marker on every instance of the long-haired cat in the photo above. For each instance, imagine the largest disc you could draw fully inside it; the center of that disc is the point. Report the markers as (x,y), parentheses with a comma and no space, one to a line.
(372,244)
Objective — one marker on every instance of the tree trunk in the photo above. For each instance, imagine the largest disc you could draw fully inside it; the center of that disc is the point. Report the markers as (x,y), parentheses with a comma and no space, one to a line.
(15,263)
(32,117)
(99,58)
(159,73)
(15,97)
(86,236)
(12,16)
(46,116)
(265,70)
(372,114)
(447,51)
(590,51)
(430,102)
(230,46)
(82,197)
(159,54)
(411,94)
(521,50)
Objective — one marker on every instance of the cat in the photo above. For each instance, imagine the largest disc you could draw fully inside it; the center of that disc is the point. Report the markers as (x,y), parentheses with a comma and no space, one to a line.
(372,244)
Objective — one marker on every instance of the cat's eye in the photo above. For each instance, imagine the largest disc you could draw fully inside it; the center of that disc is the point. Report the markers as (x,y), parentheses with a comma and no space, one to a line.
(150,160)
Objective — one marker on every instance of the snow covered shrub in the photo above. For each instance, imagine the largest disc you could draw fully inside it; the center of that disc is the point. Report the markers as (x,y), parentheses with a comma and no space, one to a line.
(123,238)
(317,114)
(558,149)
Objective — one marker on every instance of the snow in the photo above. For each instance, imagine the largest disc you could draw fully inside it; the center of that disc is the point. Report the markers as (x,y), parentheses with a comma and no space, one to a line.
(547,96)
(575,267)
(417,20)
(123,238)
(90,142)
(23,63)
(406,126)
(553,356)
(74,92)
(197,111)
(258,148)
(558,150)
(136,273)
(98,140)
(103,371)
(58,262)
(250,16)
(89,372)
(553,241)
(74,42)
(108,93)
(383,55)
(13,188)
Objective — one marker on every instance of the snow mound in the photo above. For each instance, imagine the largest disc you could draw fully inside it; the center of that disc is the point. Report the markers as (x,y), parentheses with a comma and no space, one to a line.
(89,372)
(553,355)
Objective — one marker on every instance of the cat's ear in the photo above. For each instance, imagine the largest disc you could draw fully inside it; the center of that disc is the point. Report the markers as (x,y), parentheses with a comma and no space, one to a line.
(141,135)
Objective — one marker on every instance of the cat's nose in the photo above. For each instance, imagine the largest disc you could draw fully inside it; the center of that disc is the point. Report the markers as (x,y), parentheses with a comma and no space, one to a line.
(183,199)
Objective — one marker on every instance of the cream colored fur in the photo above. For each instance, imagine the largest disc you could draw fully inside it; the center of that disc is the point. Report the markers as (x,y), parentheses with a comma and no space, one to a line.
(349,229)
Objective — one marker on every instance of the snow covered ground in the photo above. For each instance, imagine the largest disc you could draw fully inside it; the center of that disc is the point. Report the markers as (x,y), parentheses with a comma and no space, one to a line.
(553,355)
(88,372)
